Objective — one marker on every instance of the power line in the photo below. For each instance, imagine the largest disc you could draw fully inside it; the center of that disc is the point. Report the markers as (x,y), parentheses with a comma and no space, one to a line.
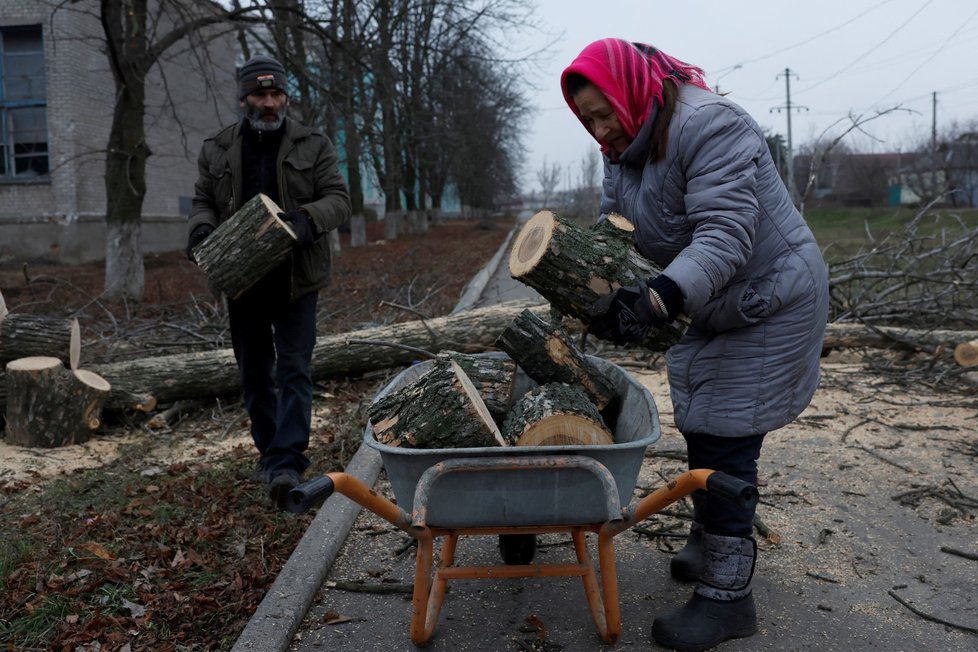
(806,41)
(870,50)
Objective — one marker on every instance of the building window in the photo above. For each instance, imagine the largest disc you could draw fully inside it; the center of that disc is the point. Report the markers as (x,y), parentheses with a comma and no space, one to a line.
(23,105)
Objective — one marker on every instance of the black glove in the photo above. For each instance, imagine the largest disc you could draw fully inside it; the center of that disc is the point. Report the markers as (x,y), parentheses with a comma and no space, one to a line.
(626,315)
(198,235)
(302,226)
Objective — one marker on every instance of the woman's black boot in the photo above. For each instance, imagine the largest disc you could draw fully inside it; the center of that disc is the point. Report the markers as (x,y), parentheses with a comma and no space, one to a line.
(687,564)
(722,606)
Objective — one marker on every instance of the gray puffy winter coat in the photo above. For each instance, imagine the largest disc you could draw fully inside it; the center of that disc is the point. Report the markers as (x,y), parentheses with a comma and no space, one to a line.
(716,216)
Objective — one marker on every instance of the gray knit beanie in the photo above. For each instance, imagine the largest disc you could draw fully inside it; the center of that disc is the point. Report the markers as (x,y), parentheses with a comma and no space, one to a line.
(261,72)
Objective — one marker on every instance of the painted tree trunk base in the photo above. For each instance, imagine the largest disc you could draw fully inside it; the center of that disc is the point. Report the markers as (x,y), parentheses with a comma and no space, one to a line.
(441,409)
(572,267)
(545,353)
(49,405)
(556,414)
(247,246)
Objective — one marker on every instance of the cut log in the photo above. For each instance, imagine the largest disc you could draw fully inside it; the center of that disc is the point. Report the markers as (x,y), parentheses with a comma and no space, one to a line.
(617,226)
(547,355)
(27,336)
(441,409)
(966,353)
(572,267)
(845,335)
(244,248)
(170,378)
(49,405)
(556,414)
(493,379)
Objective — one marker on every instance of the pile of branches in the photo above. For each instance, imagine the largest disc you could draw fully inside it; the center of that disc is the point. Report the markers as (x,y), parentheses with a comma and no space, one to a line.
(922,279)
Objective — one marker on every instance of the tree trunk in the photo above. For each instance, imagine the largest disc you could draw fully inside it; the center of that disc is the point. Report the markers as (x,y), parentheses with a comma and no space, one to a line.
(556,415)
(966,353)
(251,243)
(441,409)
(24,336)
(547,355)
(844,335)
(49,405)
(143,383)
(572,267)
(358,230)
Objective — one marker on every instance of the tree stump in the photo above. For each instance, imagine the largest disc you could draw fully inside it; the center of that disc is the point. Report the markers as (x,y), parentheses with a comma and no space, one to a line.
(251,243)
(492,378)
(49,405)
(572,267)
(441,409)
(545,353)
(556,414)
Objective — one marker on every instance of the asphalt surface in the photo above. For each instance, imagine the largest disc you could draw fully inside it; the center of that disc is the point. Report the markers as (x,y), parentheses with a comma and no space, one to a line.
(805,601)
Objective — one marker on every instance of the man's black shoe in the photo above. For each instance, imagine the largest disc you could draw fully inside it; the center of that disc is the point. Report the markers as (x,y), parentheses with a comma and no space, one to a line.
(280,486)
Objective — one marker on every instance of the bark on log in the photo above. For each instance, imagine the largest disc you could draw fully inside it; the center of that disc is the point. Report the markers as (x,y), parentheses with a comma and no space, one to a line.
(547,355)
(169,378)
(247,246)
(493,379)
(27,336)
(572,267)
(618,227)
(842,336)
(556,414)
(441,409)
(49,405)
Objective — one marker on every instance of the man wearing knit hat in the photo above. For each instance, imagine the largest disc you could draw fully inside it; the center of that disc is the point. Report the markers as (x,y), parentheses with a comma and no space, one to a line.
(273,324)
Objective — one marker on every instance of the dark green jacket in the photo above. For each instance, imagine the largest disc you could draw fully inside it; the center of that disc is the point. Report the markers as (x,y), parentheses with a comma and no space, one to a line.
(308,178)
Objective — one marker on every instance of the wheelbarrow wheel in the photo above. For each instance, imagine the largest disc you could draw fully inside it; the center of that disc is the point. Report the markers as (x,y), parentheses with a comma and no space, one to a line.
(517,549)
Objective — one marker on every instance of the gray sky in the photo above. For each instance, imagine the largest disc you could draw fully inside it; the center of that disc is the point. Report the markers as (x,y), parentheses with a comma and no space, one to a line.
(845,56)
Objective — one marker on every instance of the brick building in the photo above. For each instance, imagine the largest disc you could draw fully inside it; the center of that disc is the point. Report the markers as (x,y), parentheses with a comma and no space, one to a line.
(56,106)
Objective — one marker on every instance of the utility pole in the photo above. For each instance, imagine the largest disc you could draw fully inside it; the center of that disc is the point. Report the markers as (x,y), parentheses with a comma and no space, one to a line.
(933,146)
(788,108)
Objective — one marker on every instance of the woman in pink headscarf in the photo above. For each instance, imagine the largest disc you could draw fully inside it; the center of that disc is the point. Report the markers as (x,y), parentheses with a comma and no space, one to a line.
(693,173)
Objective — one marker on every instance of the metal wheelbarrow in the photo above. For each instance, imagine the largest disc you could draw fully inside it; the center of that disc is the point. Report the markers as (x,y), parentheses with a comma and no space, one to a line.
(453,492)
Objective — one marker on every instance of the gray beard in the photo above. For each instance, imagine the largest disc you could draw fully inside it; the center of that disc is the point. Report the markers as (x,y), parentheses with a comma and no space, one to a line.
(254,116)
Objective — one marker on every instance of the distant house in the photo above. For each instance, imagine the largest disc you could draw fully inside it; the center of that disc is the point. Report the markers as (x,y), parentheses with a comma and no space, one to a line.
(962,170)
(56,104)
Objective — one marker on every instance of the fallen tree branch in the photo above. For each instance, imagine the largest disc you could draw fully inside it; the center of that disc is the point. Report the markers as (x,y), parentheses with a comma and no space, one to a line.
(933,619)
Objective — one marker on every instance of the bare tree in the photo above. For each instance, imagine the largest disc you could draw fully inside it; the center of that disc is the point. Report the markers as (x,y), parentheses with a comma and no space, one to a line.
(548,176)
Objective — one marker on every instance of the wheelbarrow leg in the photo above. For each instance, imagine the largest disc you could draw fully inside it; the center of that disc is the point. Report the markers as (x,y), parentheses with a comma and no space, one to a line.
(602,602)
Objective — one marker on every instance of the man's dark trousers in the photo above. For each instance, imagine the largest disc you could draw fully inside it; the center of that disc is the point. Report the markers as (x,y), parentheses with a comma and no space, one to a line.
(273,339)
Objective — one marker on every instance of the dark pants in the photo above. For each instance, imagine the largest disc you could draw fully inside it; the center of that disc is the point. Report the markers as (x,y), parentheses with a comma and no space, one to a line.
(273,340)
(736,456)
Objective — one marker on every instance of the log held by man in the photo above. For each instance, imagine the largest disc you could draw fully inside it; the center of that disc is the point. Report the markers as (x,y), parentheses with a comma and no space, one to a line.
(572,267)
(247,246)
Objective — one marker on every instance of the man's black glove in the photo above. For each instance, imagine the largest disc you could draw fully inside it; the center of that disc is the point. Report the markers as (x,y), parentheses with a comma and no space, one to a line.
(626,315)
(198,235)
(302,226)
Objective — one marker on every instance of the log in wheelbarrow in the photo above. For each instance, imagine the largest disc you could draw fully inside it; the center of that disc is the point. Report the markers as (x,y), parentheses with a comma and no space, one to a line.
(516,493)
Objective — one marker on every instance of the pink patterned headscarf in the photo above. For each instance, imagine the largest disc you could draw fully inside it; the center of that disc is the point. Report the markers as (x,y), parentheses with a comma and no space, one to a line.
(629,75)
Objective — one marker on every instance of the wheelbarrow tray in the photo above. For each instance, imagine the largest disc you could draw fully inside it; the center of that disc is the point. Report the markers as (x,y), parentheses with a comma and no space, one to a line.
(498,496)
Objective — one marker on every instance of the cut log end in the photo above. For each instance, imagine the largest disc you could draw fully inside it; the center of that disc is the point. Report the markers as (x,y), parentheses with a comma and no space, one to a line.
(621,222)
(565,430)
(531,243)
(34,363)
(966,354)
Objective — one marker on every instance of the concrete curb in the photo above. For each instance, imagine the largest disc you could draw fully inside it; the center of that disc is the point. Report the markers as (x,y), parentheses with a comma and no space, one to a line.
(280,613)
